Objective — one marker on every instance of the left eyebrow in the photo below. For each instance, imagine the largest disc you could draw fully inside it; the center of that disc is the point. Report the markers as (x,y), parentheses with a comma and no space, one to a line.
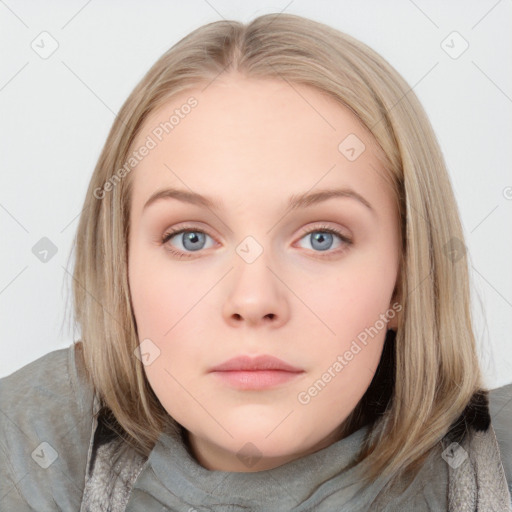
(295,202)
(309,199)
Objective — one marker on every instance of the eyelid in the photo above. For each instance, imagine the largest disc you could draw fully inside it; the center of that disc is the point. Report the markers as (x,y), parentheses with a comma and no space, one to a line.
(172,232)
(168,233)
(328,228)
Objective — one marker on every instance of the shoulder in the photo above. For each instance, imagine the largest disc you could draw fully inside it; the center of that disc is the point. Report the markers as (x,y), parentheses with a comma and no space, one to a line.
(500,407)
(45,419)
(437,484)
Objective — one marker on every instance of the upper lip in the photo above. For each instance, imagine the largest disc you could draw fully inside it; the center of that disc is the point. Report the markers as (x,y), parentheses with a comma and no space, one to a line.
(262,362)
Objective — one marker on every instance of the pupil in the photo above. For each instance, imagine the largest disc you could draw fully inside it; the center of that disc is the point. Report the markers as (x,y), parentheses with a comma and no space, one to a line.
(321,241)
(191,239)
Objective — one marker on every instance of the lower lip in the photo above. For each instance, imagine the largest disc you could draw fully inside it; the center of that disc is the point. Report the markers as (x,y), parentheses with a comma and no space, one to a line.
(256,379)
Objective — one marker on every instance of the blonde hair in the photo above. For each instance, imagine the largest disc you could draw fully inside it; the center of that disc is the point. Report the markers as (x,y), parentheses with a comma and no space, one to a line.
(434,369)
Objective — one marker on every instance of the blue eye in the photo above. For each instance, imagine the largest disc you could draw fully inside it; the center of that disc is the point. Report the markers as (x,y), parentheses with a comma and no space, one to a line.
(321,238)
(193,240)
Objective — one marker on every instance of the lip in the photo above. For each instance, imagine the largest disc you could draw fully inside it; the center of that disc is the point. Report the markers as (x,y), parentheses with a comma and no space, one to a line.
(255,373)
(262,362)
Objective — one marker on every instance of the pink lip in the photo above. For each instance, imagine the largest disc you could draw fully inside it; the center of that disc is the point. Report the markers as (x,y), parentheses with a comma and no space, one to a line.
(263,362)
(260,372)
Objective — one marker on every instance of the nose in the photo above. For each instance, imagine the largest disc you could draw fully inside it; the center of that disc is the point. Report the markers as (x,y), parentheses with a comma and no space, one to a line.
(256,296)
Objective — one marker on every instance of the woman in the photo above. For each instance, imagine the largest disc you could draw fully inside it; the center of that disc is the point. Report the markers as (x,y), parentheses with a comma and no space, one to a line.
(317,353)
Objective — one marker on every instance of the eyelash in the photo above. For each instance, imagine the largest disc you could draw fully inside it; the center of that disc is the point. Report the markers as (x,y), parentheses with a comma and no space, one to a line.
(323,229)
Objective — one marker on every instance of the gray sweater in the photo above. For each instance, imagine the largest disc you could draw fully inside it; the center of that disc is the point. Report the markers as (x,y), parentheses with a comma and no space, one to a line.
(53,457)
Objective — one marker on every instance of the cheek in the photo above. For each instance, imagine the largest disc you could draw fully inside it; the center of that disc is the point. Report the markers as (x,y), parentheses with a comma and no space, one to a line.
(353,304)
(166,309)
(353,296)
(159,299)
(161,315)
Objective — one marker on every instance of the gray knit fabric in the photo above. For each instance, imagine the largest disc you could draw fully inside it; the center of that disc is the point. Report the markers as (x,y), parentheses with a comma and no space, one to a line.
(108,487)
(102,493)
(477,480)
(476,477)
(48,431)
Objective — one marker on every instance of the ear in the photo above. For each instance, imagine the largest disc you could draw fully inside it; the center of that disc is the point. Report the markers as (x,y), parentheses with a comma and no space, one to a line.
(393,322)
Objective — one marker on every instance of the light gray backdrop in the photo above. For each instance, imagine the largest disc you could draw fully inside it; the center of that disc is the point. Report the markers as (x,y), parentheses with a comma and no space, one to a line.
(67,67)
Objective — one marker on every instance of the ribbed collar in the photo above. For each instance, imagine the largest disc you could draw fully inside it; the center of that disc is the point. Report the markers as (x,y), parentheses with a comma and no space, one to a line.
(172,477)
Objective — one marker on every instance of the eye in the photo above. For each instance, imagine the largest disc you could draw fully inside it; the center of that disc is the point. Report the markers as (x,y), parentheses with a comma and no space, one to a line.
(190,239)
(321,239)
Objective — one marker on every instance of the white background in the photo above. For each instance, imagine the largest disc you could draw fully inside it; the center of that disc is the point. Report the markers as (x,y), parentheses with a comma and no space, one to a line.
(56,114)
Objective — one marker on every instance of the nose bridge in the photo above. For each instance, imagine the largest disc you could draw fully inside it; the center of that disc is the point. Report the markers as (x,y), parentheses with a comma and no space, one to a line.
(255,293)
(253,275)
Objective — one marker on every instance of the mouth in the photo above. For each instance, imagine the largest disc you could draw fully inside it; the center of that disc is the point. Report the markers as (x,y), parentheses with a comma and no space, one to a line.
(261,362)
(256,379)
(256,373)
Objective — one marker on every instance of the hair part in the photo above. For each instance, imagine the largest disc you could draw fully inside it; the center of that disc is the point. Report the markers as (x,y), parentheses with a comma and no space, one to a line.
(435,370)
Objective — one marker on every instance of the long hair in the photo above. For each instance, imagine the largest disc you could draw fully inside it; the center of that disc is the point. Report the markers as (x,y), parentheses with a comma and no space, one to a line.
(431,371)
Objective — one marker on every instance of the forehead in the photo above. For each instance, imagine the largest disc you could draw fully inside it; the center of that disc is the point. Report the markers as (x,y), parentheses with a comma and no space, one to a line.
(246,137)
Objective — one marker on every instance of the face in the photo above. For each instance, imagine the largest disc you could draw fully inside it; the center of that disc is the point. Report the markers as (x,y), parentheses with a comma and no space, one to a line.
(248,275)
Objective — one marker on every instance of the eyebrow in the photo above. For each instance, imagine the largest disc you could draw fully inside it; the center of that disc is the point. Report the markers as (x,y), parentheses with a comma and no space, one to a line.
(295,202)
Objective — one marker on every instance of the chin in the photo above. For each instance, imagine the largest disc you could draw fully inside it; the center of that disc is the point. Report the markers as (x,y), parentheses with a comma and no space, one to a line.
(277,444)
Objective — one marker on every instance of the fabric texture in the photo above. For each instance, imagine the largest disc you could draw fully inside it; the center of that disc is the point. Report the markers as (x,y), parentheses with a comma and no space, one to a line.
(45,425)
(56,456)
(476,482)
(479,482)
(108,485)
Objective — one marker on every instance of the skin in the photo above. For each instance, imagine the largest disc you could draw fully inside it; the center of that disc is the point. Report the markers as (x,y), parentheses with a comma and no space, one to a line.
(251,144)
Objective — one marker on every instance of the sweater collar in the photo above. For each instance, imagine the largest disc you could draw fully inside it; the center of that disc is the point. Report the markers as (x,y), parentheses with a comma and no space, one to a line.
(315,477)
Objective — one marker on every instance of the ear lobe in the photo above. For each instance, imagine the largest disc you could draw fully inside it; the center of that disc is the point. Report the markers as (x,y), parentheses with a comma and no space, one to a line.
(393,323)
(395,298)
